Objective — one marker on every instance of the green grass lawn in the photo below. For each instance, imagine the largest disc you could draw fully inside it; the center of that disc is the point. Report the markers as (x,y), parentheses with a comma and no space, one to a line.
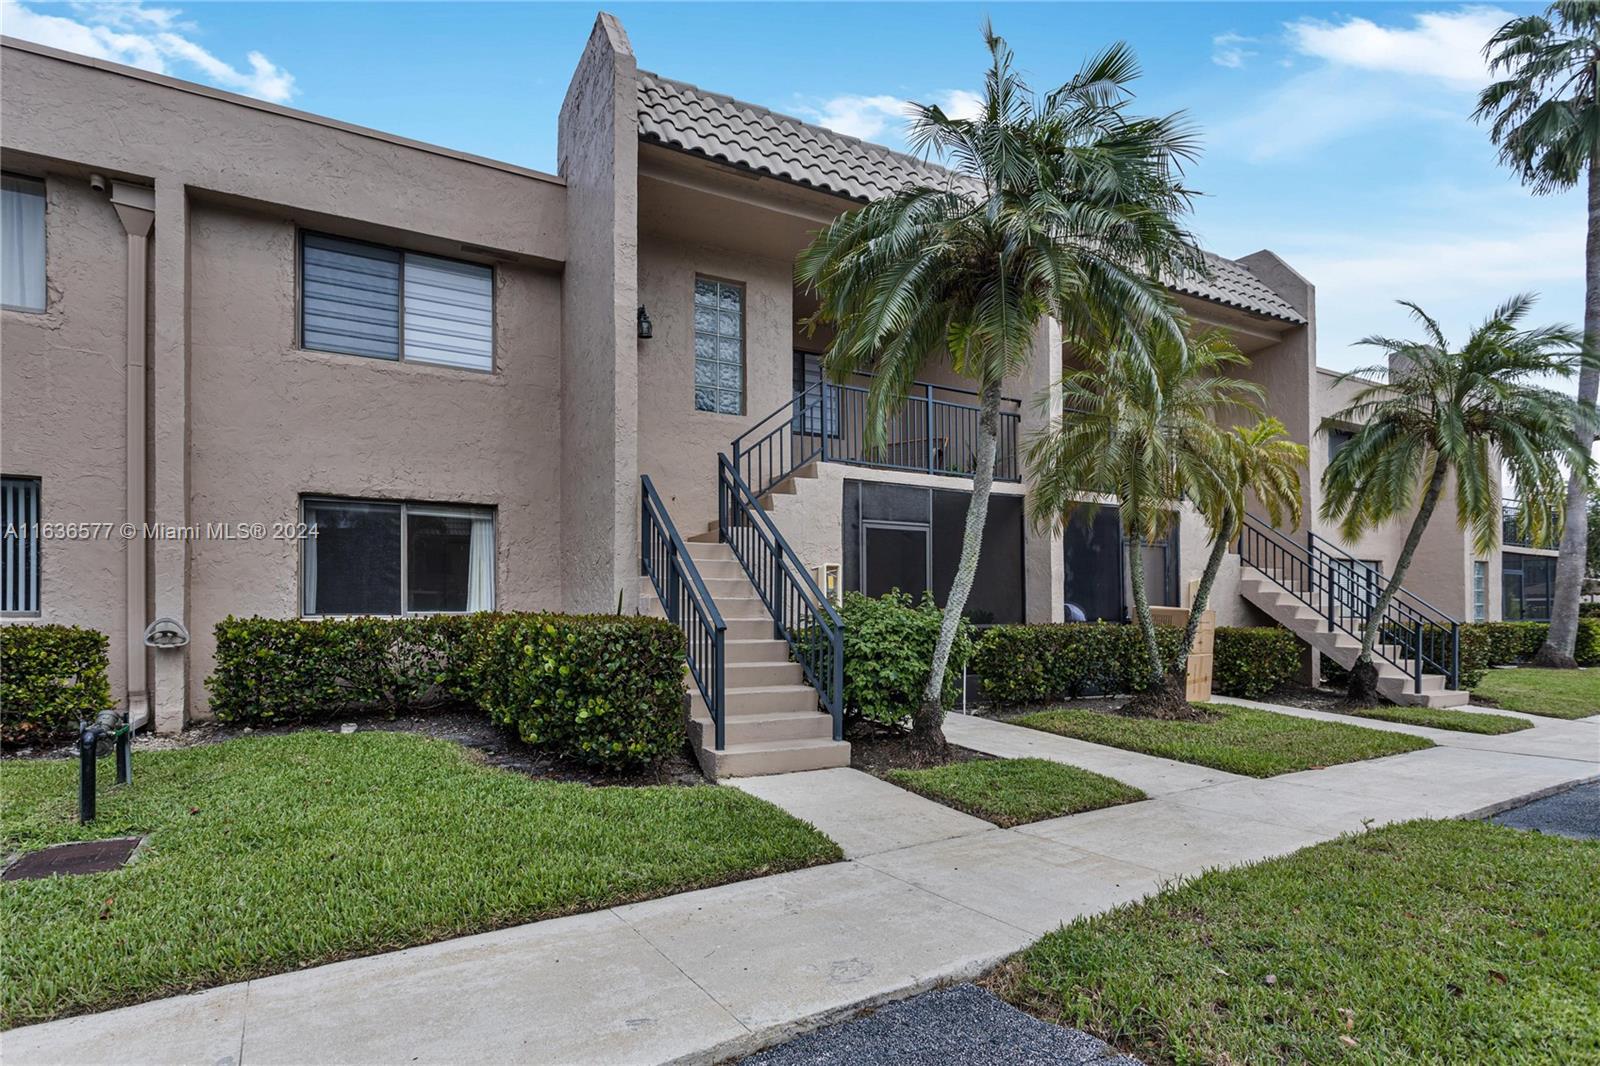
(1429,942)
(1241,740)
(1011,792)
(273,853)
(1557,693)
(1445,718)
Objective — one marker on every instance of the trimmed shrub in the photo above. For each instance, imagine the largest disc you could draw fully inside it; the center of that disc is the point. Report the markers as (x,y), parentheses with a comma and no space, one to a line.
(271,670)
(601,689)
(51,677)
(1253,661)
(606,690)
(1031,664)
(1589,610)
(888,654)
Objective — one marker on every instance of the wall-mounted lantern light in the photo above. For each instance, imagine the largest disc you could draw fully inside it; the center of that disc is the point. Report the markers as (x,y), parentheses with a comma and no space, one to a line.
(645,327)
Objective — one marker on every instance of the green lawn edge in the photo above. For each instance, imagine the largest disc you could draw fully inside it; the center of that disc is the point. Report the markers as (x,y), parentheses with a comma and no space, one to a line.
(1241,740)
(1432,942)
(1445,718)
(1011,792)
(1568,694)
(270,854)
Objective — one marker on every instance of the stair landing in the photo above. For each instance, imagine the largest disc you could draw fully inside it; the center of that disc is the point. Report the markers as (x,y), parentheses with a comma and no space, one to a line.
(1394,684)
(773,722)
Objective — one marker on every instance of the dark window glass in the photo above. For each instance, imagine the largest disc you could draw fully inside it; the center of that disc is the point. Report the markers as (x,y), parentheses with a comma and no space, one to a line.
(352,564)
(1527,583)
(896,557)
(1337,439)
(1094,564)
(439,548)
(997,589)
(350,297)
(19,551)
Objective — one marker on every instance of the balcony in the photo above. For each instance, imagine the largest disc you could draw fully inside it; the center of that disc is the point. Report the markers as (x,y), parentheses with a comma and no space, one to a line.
(934,430)
(1511,535)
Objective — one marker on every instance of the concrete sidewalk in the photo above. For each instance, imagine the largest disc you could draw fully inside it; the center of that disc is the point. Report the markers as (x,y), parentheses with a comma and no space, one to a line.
(926,896)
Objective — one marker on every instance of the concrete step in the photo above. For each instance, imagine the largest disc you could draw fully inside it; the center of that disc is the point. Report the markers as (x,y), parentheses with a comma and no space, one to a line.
(759,674)
(748,628)
(752,729)
(779,757)
(756,651)
(761,699)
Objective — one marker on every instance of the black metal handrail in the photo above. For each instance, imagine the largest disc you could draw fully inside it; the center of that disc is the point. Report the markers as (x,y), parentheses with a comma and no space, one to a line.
(801,614)
(1511,534)
(828,422)
(1413,634)
(665,559)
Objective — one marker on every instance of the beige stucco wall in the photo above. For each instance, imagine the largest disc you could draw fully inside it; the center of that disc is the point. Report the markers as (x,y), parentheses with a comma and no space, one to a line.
(63,379)
(216,350)
(301,422)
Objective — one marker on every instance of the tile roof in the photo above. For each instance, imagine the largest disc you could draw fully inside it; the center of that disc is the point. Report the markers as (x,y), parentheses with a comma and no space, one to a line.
(686,117)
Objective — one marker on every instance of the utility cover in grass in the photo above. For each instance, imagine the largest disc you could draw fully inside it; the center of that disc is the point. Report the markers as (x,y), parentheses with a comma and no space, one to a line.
(1428,942)
(1239,740)
(1011,792)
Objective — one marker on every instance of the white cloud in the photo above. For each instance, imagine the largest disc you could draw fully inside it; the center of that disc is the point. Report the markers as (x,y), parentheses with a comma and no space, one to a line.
(1232,49)
(867,117)
(1446,46)
(960,103)
(152,38)
(884,117)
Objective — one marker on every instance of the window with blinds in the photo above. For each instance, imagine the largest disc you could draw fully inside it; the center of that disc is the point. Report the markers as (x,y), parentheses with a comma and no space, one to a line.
(21,243)
(384,303)
(19,559)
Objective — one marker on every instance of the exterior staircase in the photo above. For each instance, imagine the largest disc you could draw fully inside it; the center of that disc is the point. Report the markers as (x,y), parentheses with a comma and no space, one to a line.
(772,724)
(1319,593)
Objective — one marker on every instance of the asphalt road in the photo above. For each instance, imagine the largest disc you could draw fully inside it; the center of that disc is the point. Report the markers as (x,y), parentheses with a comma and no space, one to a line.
(1573,813)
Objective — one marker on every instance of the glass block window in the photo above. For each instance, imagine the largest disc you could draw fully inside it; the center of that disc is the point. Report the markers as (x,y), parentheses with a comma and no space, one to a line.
(718,346)
(1480,591)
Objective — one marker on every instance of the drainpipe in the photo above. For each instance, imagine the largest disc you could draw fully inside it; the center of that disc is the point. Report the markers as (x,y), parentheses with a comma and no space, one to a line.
(136,207)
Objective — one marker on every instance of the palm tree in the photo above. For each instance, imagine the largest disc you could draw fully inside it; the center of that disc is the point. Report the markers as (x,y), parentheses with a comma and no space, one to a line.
(1261,461)
(1452,414)
(1139,423)
(1058,206)
(1546,119)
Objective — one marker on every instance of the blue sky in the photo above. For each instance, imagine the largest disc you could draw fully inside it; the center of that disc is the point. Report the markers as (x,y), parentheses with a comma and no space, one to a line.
(1337,135)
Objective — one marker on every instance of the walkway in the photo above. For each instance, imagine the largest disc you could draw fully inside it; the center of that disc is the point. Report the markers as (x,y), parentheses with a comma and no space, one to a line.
(927,896)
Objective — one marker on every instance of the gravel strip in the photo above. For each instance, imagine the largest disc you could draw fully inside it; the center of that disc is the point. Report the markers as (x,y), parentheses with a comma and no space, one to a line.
(1574,813)
(958,1026)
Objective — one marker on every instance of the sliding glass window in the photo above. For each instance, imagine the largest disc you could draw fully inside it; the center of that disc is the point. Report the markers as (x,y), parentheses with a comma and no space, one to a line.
(379,558)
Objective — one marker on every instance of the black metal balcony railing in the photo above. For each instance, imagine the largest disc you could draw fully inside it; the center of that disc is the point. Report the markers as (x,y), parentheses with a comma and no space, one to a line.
(1511,534)
(927,434)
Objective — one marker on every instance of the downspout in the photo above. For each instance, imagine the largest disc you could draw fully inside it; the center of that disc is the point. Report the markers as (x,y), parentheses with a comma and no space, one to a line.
(136,207)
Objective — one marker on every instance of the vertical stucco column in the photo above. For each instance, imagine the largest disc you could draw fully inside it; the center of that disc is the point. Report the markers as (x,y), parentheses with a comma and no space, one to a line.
(598,143)
(169,447)
(1044,560)
(135,206)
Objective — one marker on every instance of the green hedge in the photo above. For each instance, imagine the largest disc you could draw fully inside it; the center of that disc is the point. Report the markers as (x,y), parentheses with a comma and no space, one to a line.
(602,689)
(1254,661)
(51,677)
(888,652)
(1033,664)
(1488,644)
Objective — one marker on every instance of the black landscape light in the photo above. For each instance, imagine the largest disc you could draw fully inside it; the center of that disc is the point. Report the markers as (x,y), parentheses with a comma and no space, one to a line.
(108,730)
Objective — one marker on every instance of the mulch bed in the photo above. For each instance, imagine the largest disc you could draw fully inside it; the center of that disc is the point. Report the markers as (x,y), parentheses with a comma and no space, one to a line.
(493,744)
(877,749)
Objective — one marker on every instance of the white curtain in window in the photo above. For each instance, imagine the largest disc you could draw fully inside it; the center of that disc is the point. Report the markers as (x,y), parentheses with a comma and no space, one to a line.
(480,565)
(22,243)
(308,569)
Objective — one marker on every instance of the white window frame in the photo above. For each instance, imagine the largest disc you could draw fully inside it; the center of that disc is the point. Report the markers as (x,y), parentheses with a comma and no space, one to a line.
(407,508)
(400,310)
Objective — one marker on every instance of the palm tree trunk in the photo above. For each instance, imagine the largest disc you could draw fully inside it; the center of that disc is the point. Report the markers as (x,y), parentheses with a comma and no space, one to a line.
(1141,609)
(927,735)
(1364,676)
(1202,594)
(1572,562)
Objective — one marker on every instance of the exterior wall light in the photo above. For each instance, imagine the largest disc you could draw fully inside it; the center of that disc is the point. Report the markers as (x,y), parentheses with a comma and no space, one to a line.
(646,329)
